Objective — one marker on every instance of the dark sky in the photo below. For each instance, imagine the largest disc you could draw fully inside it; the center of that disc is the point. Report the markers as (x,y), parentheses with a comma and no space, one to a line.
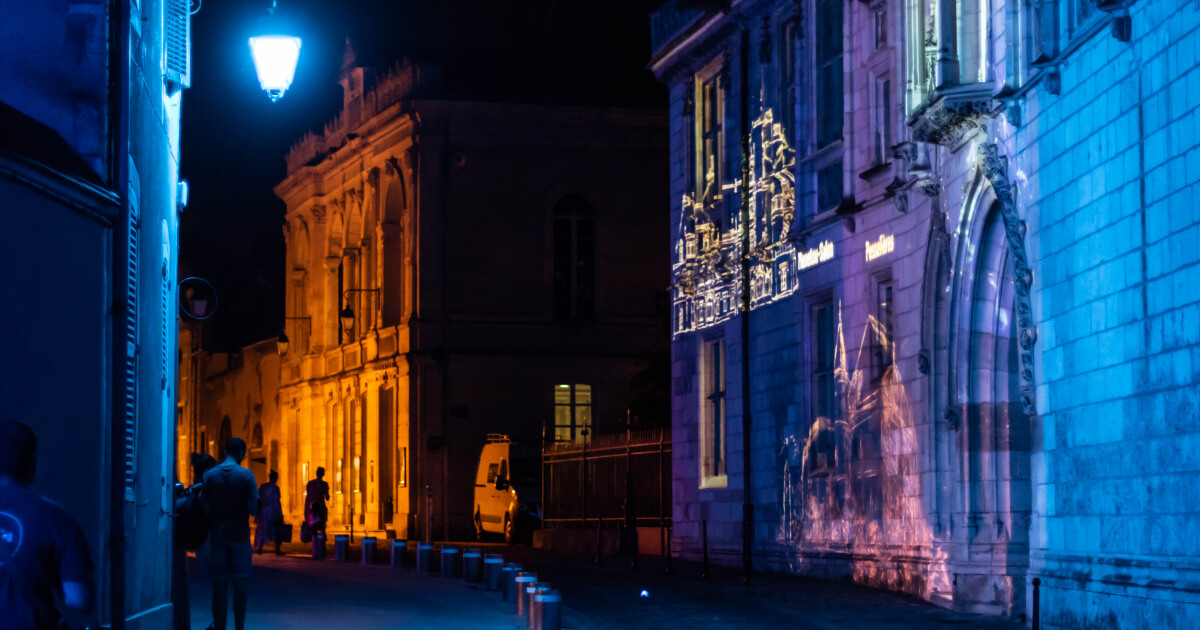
(234,139)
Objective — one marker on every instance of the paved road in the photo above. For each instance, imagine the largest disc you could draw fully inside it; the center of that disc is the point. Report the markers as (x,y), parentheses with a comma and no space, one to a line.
(296,592)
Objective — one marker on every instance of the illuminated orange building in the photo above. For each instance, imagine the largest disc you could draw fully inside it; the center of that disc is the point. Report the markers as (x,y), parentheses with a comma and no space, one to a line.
(450,267)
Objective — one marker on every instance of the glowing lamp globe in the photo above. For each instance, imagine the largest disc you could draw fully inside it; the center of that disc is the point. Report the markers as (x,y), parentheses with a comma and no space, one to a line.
(275,58)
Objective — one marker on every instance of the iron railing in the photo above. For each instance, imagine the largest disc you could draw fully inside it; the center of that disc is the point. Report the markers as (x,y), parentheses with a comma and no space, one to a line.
(583,483)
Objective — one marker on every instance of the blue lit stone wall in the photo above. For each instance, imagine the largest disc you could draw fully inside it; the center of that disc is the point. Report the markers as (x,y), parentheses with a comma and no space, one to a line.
(1109,170)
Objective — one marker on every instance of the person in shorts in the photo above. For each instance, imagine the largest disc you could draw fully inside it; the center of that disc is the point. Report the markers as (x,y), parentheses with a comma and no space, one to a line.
(231,498)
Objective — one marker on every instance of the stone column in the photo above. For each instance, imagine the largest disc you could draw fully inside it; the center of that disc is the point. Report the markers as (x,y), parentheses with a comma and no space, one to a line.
(947,37)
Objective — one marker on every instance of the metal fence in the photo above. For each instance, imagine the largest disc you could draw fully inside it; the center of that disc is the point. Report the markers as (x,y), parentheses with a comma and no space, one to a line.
(582,483)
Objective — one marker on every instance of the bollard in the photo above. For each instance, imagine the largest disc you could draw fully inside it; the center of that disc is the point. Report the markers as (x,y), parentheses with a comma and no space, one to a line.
(597,541)
(368,550)
(473,566)
(1037,604)
(425,557)
(399,551)
(523,579)
(704,538)
(670,570)
(508,577)
(535,611)
(493,568)
(449,561)
(550,617)
(341,547)
(318,544)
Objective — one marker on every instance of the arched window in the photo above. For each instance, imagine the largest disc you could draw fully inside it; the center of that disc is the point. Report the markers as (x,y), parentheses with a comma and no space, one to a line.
(256,437)
(574,258)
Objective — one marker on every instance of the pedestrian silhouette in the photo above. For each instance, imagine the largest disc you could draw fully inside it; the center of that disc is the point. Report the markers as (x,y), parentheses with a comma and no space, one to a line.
(231,497)
(316,510)
(270,514)
(43,553)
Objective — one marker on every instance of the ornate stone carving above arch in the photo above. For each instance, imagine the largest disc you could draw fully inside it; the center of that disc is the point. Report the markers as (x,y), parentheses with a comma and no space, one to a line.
(995,170)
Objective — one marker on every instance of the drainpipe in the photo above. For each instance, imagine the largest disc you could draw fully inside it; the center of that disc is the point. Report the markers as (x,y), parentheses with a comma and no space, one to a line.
(118,180)
(747,499)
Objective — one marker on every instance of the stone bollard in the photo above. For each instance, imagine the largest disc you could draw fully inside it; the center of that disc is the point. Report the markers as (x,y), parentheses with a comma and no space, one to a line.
(341,547)
(508,576)
(493,568)
(425,557)
(473,566)
(523,580)
(368,550)
(534,609)
(550,617)
(449,562)
(318,544)
(399,553)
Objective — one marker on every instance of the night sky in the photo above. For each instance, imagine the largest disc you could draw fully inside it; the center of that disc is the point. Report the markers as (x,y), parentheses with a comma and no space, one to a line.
(235,139)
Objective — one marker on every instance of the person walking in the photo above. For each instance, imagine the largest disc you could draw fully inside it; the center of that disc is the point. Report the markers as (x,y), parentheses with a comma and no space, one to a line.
(43,552)
(316,508)
(231,497)
(270,515)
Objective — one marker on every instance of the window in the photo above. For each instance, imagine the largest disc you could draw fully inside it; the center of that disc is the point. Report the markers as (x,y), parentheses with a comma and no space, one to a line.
(824,348)
(1079,13)
(572,412)
(883,120)
(493,470)
(710,136)
(829,72)
(574,258)
(829,187)
(712,415)
(884,331)
(881,25)
(787,89)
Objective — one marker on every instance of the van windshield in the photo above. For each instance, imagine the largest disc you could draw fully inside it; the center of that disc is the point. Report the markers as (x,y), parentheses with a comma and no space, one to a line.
(526,471)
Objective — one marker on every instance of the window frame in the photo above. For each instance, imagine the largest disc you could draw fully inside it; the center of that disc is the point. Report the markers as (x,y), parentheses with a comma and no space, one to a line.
(580,299)
(713,413)
(573,406)
(817,369)
(714,74)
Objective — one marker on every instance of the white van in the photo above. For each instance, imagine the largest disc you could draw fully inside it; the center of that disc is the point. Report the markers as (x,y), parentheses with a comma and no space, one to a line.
(508,489)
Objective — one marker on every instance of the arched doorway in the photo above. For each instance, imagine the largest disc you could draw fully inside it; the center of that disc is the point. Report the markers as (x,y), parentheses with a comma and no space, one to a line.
(993,499)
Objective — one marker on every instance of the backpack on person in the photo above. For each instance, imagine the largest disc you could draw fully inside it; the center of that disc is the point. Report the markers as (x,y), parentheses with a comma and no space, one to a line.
(191,518)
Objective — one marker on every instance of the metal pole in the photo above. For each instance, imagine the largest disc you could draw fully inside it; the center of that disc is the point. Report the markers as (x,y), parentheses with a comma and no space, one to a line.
(747,500)
(704,541)
(670,569)
(598,520)
(428,513)
(583,476)
(630,515)
(1037,605)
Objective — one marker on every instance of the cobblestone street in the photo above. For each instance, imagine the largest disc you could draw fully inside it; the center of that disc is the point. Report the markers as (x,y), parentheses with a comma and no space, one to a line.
(296,592)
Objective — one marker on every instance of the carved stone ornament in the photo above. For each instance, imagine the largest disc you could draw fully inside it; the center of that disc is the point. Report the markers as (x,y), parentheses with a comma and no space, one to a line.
(995,169)
(318,213)
(951,118)
(923,362)
(392,166)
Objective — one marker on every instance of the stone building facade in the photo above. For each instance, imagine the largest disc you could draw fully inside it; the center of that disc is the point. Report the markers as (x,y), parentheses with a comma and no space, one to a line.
(964,229)
(90,97)
(504,266)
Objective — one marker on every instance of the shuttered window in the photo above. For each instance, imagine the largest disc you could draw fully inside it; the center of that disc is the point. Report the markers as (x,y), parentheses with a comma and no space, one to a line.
(177,42)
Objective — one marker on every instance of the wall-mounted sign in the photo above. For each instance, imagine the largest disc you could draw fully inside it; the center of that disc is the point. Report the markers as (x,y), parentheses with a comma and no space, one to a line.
(885,245)
(818,254)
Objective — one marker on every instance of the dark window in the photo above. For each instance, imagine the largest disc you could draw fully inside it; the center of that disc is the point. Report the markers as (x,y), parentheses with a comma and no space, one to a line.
(787,58)
(709,154)
(574,259)
(884,331)
(829,72)
(829,186)
(883,119)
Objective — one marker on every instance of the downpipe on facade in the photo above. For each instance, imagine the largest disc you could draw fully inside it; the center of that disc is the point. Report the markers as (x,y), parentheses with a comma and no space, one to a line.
(744,199)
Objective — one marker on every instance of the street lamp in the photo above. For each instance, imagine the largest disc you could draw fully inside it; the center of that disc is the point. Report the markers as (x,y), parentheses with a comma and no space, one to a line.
(275,56)
(283,342)
(347,313)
